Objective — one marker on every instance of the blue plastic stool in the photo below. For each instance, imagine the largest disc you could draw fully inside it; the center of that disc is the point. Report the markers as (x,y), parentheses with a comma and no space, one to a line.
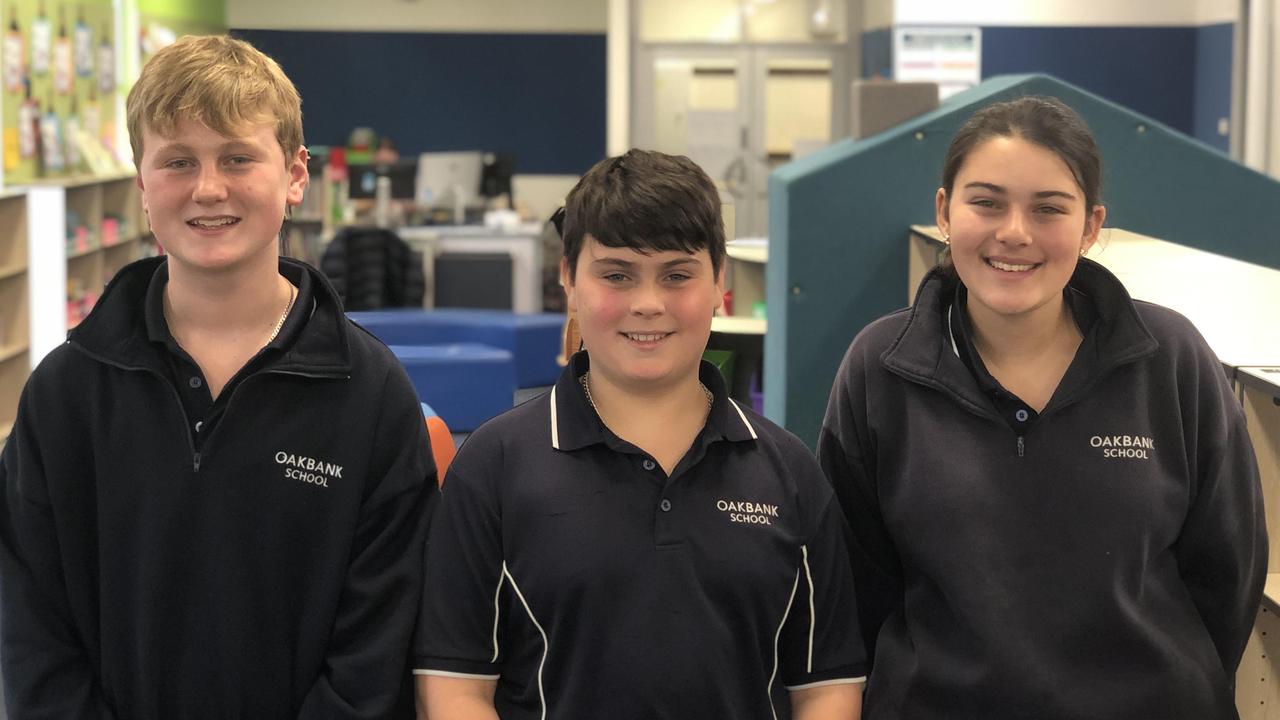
(532,339)
(465,383)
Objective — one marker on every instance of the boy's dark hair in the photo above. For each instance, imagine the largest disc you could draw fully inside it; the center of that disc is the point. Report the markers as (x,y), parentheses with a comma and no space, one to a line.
(648,201)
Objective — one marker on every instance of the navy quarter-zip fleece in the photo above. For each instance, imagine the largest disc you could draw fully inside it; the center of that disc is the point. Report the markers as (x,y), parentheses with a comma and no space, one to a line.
(1104,562)
(272,571)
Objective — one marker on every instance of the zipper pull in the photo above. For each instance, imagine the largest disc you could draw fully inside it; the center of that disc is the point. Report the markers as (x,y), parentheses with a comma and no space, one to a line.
(195,462)
(1021,450)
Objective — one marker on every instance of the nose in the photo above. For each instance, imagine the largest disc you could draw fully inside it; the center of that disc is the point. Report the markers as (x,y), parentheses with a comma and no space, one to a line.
(210,187)
(1014,230)
(647,300)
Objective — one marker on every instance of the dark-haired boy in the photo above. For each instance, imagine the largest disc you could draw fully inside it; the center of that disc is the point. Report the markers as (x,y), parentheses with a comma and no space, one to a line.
(635,544)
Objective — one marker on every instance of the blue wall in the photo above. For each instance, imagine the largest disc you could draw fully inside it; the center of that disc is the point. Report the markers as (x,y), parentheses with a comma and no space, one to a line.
(1212,83)
(541,97)
(877,53)
(1180,76)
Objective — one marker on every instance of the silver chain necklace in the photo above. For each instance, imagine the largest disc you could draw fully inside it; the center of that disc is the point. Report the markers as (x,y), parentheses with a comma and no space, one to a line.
(293,292)
(586,388)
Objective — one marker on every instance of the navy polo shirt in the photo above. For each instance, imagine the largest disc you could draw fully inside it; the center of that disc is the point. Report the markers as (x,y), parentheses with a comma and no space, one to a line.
(1016,413)
(564,563)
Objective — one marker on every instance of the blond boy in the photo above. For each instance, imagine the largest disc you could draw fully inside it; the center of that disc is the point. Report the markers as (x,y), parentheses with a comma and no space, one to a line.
(215,492)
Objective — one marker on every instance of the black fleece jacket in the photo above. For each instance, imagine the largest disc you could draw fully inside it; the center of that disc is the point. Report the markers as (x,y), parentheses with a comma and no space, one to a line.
(275,574)
(1104,562)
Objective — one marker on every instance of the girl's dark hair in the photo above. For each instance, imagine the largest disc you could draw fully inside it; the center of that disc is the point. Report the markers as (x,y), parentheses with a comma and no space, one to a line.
(1045,121)
(647,201)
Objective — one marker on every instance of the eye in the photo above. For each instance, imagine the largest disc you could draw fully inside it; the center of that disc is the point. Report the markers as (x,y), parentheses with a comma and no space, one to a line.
(1051,210)
(615,277)
(679,276)
(983,202)
(239,160)
(178,164)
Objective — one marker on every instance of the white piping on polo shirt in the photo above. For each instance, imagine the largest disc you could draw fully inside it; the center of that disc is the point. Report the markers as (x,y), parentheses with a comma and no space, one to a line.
(446,673)
(820,683)
(542,696)
(813,620)
(745,421)
(555,425)
(768,689)
(497,614)
(951,335)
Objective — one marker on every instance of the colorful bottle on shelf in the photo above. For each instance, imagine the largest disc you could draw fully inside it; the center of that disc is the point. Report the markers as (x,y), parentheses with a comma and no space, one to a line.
(14,52)
(83,45)
(41,36)
(28,124)
(51,153)
(63,67)
(106,62)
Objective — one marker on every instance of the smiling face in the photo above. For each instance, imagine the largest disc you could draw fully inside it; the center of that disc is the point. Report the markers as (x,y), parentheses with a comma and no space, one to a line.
(1018,224)
(644,318)
(216,203)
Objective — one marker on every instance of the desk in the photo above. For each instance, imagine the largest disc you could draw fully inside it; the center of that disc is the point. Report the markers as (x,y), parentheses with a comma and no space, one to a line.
(522,243)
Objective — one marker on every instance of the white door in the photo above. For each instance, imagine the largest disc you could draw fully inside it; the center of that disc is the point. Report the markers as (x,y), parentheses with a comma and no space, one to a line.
(739,111)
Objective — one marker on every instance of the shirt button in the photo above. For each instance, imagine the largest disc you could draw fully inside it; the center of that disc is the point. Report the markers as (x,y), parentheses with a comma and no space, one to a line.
(1021,415)
(649,465)
(195,382)
(199,424)
(665,505)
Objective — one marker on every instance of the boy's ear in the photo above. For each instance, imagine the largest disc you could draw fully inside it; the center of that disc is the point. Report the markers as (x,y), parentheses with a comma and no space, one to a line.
(720,282)
(299,178)
(566,282)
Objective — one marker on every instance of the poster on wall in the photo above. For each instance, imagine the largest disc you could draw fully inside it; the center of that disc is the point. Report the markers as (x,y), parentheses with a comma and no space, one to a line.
(949,56)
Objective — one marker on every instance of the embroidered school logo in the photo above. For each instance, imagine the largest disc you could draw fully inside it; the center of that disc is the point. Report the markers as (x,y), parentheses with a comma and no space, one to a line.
(1137,447)
(308,470)
(745,511)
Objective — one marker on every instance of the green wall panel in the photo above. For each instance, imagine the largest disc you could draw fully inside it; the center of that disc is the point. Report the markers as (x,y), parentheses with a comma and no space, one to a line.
(839,221)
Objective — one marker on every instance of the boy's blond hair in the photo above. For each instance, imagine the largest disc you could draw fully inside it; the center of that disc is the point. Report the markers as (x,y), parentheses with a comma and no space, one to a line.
(227,84)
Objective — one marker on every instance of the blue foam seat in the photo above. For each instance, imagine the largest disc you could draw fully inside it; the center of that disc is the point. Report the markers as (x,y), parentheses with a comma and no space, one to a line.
(533,339)
(465,383)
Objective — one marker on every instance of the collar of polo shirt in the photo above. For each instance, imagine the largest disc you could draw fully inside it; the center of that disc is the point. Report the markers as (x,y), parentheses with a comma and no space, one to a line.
(574,424)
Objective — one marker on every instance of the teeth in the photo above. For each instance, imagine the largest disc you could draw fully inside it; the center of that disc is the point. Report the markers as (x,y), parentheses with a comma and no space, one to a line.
(1009,268)
(213,223)
(646,338)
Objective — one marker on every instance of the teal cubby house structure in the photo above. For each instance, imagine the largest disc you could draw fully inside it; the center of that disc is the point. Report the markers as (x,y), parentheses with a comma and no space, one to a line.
(839,223)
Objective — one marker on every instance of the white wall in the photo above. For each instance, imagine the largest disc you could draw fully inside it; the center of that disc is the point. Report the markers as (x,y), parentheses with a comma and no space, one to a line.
(1215,12)
(877,14)
(487,16)
(1055,12)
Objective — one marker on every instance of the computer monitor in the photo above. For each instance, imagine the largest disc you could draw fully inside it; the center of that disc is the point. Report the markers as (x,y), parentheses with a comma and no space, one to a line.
(362,180)
(449,179)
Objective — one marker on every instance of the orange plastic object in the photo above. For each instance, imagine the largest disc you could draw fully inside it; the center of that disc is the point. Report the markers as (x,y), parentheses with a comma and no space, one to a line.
(442,448)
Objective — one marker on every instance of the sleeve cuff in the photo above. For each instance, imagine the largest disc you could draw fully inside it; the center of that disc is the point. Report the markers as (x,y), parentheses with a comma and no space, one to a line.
(446,673)
(836,681)
(455,667)
(851,673)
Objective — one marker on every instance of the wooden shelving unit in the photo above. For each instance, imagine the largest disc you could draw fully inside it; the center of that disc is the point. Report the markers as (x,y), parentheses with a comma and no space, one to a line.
(15,363)
(1258,680)
(104,232)
(60,242)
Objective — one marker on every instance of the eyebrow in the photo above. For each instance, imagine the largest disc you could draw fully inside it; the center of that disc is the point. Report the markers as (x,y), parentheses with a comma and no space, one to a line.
(619,262)
(999,190)
(228,146)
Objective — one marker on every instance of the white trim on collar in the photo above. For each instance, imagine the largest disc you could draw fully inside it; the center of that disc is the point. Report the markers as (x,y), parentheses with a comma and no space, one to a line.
(745,421)
(555,423)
